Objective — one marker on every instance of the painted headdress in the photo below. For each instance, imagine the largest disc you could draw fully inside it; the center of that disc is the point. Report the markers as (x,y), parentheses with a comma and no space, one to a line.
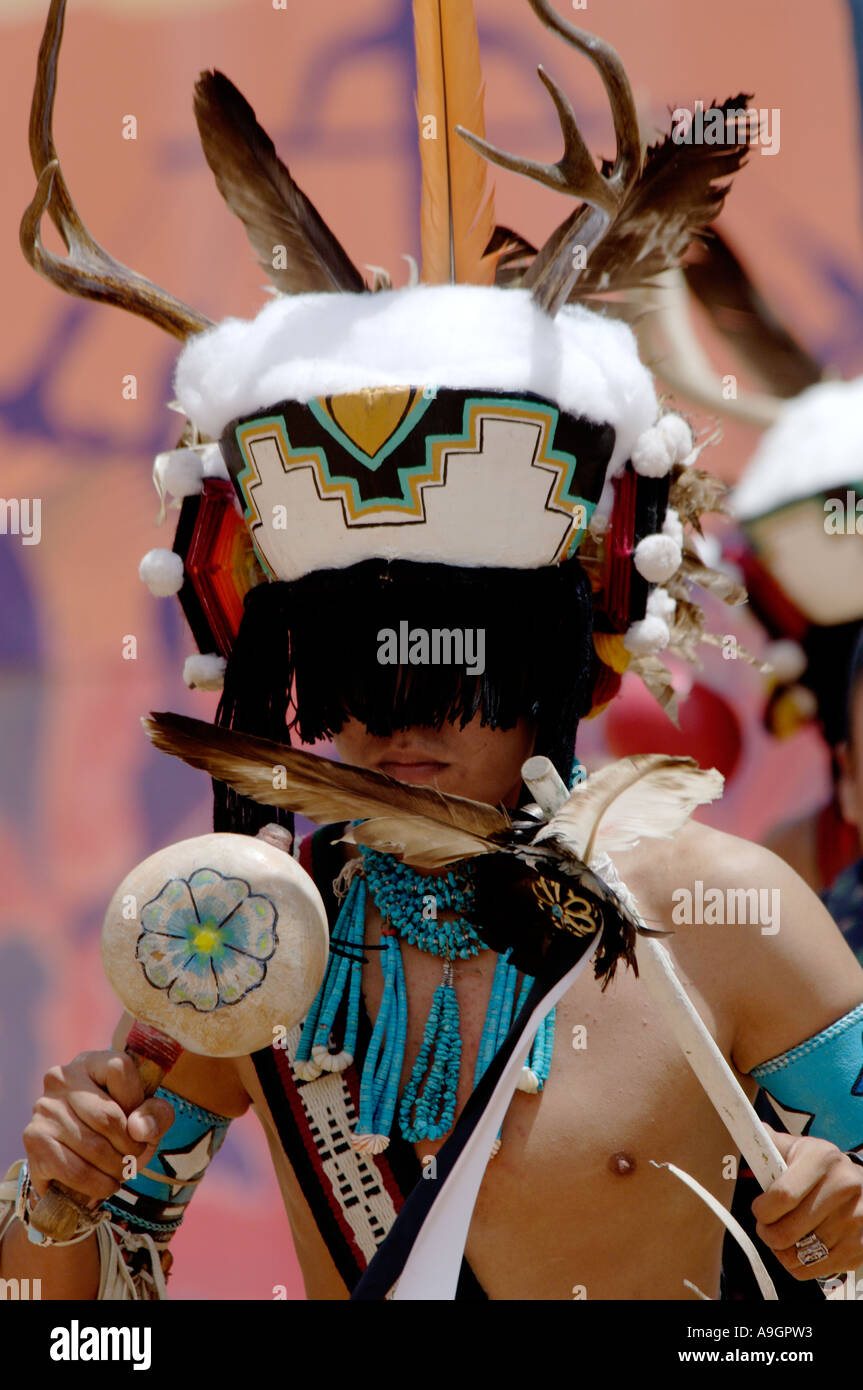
(479,450)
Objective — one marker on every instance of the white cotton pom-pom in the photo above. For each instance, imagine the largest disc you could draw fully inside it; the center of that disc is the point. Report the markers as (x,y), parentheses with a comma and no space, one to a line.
(162,572)
(648,635)
(657,558)
(672,526)
(660,604)
(331,1061)
(204,672)
(370,1143)
(182,472)
(307,1070)
(212,463)
(528,1081)
(677,435)
(787,660)
(652,456)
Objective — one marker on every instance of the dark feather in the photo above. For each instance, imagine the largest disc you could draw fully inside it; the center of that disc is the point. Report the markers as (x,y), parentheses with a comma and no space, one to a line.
(323,790)
(676,194)
(514,255)
(257,186)
(721,283)
(524,900)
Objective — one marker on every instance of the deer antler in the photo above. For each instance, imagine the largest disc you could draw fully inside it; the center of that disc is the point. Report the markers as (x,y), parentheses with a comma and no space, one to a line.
(554,272)
(670,346)
(88,270)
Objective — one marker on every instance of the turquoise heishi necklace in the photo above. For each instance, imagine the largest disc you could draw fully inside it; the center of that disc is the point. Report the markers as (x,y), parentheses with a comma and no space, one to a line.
(409,903)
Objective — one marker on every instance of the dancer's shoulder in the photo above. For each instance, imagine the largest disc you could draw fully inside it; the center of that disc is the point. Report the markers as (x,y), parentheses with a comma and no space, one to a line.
(749,933)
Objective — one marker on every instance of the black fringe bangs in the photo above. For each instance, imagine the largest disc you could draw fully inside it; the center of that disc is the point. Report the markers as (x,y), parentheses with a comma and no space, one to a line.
(402,644)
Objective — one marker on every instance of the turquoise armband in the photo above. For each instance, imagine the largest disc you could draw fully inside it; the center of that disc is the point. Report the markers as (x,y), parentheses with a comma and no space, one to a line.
(155,1200)
(817,1087)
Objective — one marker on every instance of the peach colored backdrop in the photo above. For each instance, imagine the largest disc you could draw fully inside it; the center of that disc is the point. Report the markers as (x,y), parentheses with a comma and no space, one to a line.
(82,798)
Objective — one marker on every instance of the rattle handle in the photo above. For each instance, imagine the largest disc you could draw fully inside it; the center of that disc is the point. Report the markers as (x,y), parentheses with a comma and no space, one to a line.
(154,1053)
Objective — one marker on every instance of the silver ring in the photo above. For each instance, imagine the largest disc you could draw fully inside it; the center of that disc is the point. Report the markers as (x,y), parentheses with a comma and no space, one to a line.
(811,1249)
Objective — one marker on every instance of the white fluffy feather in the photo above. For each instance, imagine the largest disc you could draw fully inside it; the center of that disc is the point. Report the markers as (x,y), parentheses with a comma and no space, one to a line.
(645,797)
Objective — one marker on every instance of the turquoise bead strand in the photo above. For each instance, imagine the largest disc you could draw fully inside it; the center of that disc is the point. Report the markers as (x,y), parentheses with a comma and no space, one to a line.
(382,1071)
(432,1089)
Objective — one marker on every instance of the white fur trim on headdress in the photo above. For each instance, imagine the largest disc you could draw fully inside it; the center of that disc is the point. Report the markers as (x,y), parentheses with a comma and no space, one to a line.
(648,635)
(162,572)
(204,672)
(657,558)
(816,444)
(304,346)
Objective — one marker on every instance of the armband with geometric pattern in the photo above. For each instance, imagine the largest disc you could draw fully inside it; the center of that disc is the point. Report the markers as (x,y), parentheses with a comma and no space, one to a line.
(817,1087)
(156,1199)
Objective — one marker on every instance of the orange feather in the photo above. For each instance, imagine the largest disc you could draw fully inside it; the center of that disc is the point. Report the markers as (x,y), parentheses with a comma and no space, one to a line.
(457,203)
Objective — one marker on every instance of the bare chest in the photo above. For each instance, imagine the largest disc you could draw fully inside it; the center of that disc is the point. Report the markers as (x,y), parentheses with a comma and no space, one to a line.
(572,1201)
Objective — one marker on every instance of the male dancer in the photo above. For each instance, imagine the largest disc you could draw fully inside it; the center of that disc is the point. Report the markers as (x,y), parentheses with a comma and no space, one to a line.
(487,457)
(572,1188)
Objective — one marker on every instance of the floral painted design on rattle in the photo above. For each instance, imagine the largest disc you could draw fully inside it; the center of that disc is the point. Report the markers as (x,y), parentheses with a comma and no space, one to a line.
(206,939)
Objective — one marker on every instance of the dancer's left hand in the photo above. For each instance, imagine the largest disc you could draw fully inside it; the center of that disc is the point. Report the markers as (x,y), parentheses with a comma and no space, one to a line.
(821,1190)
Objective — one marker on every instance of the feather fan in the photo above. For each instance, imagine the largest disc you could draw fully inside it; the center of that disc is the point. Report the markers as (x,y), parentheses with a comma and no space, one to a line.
(639,797)
(457,208)
(258,187)
(645,797)
(433,827)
